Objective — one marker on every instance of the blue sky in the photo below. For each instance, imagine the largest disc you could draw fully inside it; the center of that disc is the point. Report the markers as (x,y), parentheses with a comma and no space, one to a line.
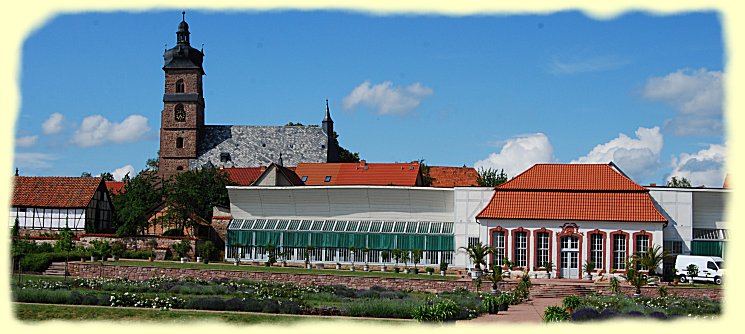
(503,91)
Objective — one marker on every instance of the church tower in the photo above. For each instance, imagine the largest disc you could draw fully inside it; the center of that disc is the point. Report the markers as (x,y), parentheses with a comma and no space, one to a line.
(182,118)
(332,150)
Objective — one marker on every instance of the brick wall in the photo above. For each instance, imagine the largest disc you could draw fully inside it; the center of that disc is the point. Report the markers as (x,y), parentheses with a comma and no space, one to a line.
(357,282)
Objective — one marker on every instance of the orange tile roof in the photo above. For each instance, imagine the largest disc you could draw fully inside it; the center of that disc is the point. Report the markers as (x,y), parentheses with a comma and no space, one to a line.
(362,173)
(726,182)
(448,177)
(572,192)
(244,176)
(54,191)
(571,177)
(115,187)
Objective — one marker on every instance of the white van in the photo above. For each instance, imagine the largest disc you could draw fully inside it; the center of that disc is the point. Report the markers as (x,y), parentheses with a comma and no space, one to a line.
(710,268)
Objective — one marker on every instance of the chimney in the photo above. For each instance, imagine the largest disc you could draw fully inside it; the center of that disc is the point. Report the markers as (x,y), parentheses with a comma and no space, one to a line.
(653,184)
(363,163)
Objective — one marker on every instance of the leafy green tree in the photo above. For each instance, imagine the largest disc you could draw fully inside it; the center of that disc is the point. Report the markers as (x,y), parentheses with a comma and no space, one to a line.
(107,176)
(133,204)
(192,195)
(85,174)
(679,183)
(426,177)
(491,177)
(152,163)
(65,245)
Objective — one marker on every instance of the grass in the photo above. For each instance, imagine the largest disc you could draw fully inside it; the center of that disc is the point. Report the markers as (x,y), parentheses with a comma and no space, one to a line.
(36,312)
(252,268)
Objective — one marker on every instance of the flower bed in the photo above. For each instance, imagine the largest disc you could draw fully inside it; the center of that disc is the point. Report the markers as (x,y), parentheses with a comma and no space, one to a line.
(598,307)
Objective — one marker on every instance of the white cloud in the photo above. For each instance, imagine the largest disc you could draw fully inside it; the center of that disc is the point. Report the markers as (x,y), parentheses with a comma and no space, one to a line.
(53,124)
(34,160)
(705,167)
(638,157)
(97,130)
(27,141)
(120,172)
(697,95)
(597,64)
(387,99)
(519,154)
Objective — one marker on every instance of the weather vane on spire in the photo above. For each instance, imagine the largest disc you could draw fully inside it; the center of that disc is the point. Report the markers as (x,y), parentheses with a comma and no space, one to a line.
(183,16)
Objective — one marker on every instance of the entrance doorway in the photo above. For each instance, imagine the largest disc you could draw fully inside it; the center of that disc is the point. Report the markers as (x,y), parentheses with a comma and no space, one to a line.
(569,257)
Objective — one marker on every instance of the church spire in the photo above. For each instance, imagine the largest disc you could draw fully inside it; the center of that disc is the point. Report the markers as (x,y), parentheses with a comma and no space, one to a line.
(182,35)
(328,113)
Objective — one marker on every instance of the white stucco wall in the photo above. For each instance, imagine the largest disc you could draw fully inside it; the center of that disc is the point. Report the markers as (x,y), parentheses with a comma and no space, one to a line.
(468,203)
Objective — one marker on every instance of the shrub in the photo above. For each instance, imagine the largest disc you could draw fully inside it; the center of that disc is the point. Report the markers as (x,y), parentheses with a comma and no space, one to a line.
(608,313)
(585,314)
(555,314)
(38,262)
(444,266)
(382,309)
(437,311)
(205,303)
(570,302)
(662,291)
(658,315)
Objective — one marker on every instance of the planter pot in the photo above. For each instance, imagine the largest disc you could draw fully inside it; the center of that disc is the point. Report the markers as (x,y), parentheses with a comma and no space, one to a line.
(351,268)
(205,261)
(284,264)
(406,270)
(199,259)
(504,307)
(183,260)
(308,266)
(366,268)
(116,258)
(383,269)
(93,258)
(476,273)
(494,291)
(429,273)
(442,273)
(150,258)
(397,270)
(236,263)
(338,266)
(494,309)
(416,271)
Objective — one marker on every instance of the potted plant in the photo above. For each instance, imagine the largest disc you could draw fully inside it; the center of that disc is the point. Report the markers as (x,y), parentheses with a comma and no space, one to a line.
(635,278)
(504,300)
(652,259)
(306,254)
(283,256)
(507,267)
(692,271)
(405,256)
(430,271)
(386,257)
(443,268)
(271,252)
(589,269)
(490,304)
(675,281)
(477,253)
(151,257)
(365,252)
(396,257)
(495,278)
(182,248)
(117,250)
(416,256)
(548,267)
(352,251)
(206,249)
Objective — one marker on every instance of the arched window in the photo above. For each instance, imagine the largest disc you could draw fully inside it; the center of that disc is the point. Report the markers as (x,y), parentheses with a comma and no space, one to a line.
(179,114)
(180,86)
(179,142)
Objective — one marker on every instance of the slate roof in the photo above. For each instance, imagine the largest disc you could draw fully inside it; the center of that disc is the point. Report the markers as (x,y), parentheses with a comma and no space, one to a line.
(244,176)
(594,192)
(448,177)
(363,173)
(255,146)
(54,191)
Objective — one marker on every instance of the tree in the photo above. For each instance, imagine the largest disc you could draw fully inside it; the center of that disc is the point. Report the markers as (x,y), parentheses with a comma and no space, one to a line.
(635,278)
(652,259)
(490,177)
(344,154)
(85,174)
(426,178)
(477,253)
(679,183)
(133,205)
(107,176)
(193,194)
(65,245)
(152,163)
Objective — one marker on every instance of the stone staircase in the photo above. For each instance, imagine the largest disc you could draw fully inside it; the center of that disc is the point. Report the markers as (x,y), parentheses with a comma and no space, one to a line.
(559,290)
(55,269)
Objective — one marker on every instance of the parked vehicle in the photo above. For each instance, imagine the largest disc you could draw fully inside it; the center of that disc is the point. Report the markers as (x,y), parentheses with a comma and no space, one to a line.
(710,268)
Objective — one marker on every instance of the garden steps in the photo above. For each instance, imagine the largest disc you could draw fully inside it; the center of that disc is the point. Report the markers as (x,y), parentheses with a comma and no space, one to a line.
(559,290)
(55,269)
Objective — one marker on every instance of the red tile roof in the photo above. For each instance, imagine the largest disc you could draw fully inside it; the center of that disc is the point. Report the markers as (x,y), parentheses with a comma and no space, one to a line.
(362,173)
(115,187)
(448,177)
(244,176)
(54,191)
(572,192)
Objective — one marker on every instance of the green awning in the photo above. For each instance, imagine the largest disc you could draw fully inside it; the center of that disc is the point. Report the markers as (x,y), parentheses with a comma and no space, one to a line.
(707,248)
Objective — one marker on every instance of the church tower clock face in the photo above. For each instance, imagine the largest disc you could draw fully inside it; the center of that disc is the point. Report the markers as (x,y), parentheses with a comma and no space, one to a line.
(180,115)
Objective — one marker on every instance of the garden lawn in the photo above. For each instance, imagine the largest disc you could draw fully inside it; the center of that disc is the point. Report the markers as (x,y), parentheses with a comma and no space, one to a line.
(252,268)
(37,312)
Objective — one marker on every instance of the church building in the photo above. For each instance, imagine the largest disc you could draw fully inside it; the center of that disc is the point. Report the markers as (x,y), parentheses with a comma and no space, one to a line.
(187,143)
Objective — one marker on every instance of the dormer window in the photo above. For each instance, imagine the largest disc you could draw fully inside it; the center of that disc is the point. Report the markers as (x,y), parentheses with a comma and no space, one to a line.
(224,157)
(180,86)
(305,178)
(328,179)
